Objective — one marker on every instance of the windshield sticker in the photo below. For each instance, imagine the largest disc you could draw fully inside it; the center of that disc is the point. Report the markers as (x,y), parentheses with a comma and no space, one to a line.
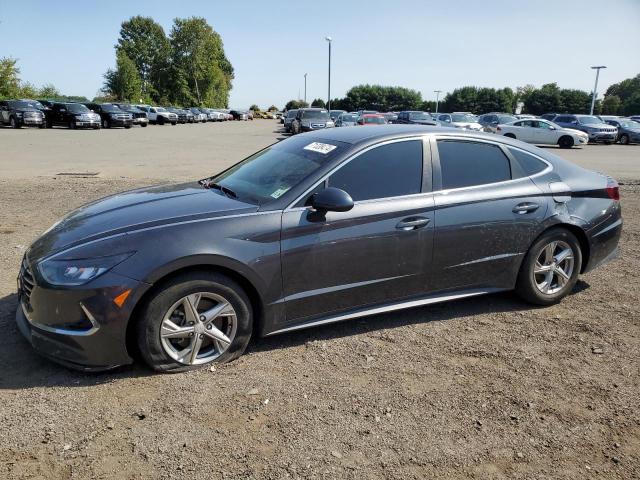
(323,148)
(279,192)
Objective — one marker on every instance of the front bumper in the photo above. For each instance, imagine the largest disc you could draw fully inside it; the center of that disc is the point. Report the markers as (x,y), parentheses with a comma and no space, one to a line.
(140,121)
(88,123)
(28,121)
(117,122)
(602,136)
(80,327)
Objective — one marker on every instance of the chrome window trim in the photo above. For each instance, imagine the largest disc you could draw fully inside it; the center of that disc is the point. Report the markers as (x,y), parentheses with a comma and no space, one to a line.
(440,136)
(420,137)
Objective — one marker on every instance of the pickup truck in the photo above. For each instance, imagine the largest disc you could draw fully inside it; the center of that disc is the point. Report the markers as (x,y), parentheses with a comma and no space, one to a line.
(72,115)
(159,115)
(111,115)
(18,113)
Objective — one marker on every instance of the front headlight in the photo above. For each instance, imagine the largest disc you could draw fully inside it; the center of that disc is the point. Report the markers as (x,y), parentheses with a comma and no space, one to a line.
(305,123)
(79,271)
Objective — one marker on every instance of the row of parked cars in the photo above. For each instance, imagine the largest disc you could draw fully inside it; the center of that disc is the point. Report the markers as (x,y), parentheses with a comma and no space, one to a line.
(564,130)
(48,113)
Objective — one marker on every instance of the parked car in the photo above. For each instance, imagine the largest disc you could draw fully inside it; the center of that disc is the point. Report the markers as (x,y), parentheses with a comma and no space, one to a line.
(549,116)
(415,117)
(291,115)
(347,120)
(198,115)
(390,117)
(371,119)
(181,114)
(635,118)
(239,115)
(597,130)
(159,115)
(490,121)
(465,121)
(139,117)
(47,104)
(72,115)
(308,119)
(111,115)
(524,116)
(543,132)
(35,103)
(18,113)
(628,130)
(366,112)
(328,226)
(334,114)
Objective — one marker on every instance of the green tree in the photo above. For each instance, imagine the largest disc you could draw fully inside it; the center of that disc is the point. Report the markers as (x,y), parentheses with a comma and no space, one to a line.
(628,91)
(9,78)
(123,83)
(49,91)
(272,108)
(145,43)
(198,52)
(575,101)
(546,99)
(460,100)
(254,108)
(378,97)
(27,90)
(632,105)
(294,104)
(428,106)
(318,103)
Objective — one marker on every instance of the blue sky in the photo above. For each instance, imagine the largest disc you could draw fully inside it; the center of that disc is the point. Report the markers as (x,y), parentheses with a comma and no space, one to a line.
(424,45)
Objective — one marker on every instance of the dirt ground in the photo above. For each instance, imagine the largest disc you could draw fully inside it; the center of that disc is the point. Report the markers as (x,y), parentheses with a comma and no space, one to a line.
(481,388)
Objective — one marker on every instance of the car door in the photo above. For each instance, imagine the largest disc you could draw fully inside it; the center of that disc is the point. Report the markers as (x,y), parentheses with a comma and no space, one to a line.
(522,130)
(544,134)
(378,251)
(487,213)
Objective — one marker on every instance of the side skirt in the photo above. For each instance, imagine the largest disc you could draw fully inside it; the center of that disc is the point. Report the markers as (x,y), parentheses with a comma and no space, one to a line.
(389,307)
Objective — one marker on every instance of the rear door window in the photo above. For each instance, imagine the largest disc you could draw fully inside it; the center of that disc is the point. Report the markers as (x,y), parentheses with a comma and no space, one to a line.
(466,164)
(530,165)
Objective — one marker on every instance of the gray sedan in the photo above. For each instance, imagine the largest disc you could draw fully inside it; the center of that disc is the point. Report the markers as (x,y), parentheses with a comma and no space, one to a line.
(326,226)
(628,130)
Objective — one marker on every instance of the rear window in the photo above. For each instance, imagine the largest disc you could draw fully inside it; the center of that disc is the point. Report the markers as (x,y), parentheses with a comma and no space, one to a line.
(529,164)
(466,164)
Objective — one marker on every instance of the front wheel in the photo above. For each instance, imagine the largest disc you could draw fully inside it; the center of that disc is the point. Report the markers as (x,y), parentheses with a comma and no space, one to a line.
(550,269)
(195,319)
(14,123)
(565,142)
(106,124)
(624,139)
(143,125)
(127,126)
(509,135)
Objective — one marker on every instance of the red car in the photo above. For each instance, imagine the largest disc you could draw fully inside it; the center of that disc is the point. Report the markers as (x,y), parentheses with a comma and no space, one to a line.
(372,119)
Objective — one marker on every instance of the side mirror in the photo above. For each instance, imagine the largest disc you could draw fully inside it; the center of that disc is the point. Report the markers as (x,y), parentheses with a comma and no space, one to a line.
(331,200)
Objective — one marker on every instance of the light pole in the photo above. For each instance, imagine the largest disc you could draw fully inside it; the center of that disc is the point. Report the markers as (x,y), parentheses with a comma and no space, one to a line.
(595,88)
(305,88)
(437,92)
(328,39)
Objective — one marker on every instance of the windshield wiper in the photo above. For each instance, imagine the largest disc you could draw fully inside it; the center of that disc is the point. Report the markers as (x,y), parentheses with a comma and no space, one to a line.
(226,190)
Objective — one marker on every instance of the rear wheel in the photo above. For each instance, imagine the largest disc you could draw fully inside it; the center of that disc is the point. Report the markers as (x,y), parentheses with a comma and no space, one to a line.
(106,123)
(160,120)
(565,142)
(143,125)
(551,268)
(195,319)
(127,126)
(14,123)
(624,139)
(72,124)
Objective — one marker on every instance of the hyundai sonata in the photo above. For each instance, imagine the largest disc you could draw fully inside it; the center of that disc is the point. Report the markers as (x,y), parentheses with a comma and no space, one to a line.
(326,226)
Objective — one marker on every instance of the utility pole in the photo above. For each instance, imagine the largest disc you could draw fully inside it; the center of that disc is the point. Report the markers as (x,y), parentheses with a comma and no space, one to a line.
(437,92)
(328,39)
(305,88)
(595,88)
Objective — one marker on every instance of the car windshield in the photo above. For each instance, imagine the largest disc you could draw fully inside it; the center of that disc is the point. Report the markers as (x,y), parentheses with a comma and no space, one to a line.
(110,108)
(272,172)
(588,119)
(20,104)
(160,109)
(419,116)
(463,117)
(347,117)
(374,120)
(77,108)
(506,118)
(316,114)
(291,113)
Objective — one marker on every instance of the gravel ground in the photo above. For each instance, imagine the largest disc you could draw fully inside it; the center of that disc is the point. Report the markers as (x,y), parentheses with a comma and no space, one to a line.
(481,388)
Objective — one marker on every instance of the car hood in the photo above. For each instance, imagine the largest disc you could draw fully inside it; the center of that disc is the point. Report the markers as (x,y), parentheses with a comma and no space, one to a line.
(423,122)
(573,131)
(135,210)
(597,125)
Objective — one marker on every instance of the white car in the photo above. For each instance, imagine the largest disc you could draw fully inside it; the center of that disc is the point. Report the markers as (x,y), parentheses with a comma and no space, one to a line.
(543,132)
(159,115)
(465,121)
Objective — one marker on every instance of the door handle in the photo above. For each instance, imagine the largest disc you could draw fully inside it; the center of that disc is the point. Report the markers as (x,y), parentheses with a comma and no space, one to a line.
(526,207)
(412,223)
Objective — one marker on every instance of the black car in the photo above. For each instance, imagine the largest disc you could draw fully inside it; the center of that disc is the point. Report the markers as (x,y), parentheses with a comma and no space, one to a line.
(322,227)
(490,121)
(19,113)
(139,116)
(628,130)
(72,115)
(415,117)
(111,115)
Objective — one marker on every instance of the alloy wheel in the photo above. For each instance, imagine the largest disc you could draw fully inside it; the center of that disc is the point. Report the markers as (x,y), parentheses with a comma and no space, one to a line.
(198,328)
(554,267)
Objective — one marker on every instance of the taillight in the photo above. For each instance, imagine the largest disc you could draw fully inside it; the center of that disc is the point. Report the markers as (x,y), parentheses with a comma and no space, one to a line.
(613,190)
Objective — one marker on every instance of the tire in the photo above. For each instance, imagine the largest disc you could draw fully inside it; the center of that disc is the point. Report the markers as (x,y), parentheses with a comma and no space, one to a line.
(106,123)
(624,139)
(127,127)
(72,125)
(13,123)
(42,125)
(160,121)
(174,123)
(530,285)
(208,290)
(143,125)
(510,135)
(565,141)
